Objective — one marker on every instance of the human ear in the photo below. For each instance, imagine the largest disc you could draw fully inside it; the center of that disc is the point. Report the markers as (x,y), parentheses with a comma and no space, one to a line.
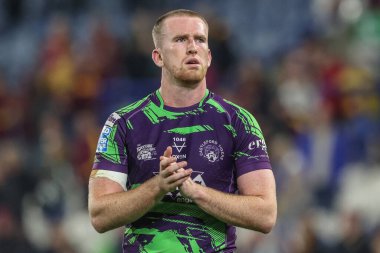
(157,58)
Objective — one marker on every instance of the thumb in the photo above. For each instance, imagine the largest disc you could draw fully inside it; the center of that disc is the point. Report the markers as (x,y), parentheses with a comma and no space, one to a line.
(168,152)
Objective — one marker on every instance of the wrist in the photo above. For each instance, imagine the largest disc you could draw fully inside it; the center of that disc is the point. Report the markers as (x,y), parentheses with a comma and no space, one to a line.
(198,193)
(155,189)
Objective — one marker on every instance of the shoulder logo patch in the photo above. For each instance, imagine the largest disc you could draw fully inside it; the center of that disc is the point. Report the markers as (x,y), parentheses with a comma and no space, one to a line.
(112,119)
(103,140)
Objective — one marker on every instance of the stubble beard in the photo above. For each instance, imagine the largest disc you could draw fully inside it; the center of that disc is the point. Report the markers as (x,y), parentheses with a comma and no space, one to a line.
(189,77)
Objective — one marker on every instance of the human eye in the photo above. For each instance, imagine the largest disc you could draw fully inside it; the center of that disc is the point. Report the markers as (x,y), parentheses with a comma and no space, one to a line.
(180,39)
(201,39)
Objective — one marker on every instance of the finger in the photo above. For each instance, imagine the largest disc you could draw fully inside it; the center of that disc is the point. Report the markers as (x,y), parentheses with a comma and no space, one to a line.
(168,171)
(176,166)
(165,162)
(163,158)
(186,182)
(178,176)
(177,185)
(180,170)
(168,152)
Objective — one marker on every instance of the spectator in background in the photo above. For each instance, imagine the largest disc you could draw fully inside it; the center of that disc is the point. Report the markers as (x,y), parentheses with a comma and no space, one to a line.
(354,238)
(375,241)
(57,71)
(137,48)
(15,183)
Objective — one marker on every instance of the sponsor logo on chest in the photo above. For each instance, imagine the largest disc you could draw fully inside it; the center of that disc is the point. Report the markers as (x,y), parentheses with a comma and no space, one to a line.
(179,143)
(146,152)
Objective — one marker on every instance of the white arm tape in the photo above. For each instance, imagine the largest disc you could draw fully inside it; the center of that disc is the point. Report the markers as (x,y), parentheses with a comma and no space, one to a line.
(118,177)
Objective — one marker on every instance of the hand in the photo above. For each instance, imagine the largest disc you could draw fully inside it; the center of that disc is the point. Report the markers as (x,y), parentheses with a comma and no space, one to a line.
(189,188)
(172,174)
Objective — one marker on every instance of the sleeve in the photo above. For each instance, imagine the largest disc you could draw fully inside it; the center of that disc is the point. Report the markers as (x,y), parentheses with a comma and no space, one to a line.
(111,152)
(250,148)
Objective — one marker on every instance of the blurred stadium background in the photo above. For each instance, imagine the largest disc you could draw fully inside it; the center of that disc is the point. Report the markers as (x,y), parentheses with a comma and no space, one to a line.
(308,70)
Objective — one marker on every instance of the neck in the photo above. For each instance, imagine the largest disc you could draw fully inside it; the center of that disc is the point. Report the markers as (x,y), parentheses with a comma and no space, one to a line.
(182,96)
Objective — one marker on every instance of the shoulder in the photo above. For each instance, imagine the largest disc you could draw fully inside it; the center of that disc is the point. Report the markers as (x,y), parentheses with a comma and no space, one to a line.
(133,107)
(128,111)
(226,106)
(239,116)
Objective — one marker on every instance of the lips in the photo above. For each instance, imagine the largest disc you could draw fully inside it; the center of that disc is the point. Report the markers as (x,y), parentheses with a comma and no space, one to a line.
(192,61)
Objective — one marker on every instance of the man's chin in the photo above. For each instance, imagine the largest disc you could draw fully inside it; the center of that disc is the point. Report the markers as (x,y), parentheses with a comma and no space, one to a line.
(191,78)
(191,81)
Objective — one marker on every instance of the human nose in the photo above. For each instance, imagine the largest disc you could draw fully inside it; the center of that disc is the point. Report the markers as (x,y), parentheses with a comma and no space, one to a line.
(191,47)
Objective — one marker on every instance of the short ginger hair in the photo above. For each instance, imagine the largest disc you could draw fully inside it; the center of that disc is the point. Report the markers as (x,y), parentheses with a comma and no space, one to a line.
(157,28)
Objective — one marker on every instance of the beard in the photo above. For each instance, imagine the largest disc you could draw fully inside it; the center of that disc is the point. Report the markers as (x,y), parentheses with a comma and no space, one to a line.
(188,76)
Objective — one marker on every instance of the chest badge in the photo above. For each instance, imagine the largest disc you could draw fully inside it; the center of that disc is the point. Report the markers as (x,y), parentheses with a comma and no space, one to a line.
(146,152)
(211,150)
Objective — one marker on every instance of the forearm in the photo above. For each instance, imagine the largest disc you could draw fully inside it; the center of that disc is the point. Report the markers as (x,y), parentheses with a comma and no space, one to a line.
(109,211)
(251,212)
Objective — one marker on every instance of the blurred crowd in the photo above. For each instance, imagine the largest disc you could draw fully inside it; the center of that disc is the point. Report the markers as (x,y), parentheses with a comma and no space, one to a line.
(309,71)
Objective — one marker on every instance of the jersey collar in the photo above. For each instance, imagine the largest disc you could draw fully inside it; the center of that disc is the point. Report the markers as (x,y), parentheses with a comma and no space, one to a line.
(157,98)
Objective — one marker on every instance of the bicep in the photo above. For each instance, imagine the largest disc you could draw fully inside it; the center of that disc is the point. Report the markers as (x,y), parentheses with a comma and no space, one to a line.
(100,186)
(260,183)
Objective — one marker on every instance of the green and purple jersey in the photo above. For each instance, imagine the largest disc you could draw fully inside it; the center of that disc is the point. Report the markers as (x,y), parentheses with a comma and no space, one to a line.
(220,141)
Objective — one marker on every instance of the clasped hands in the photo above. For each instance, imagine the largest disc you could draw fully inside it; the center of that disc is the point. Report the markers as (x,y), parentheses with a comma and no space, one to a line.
(173,175)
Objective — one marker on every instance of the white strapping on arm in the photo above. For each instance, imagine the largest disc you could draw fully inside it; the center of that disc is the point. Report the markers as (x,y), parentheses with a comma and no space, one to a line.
(118,177)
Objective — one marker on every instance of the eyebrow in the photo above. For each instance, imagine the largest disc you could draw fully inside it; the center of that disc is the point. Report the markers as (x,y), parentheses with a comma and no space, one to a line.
(196,36)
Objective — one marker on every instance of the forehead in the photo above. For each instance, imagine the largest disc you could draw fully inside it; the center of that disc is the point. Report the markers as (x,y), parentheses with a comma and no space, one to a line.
(184,25)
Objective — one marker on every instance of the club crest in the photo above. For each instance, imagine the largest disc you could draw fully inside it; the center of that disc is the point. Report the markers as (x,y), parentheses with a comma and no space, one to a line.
(211,150)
